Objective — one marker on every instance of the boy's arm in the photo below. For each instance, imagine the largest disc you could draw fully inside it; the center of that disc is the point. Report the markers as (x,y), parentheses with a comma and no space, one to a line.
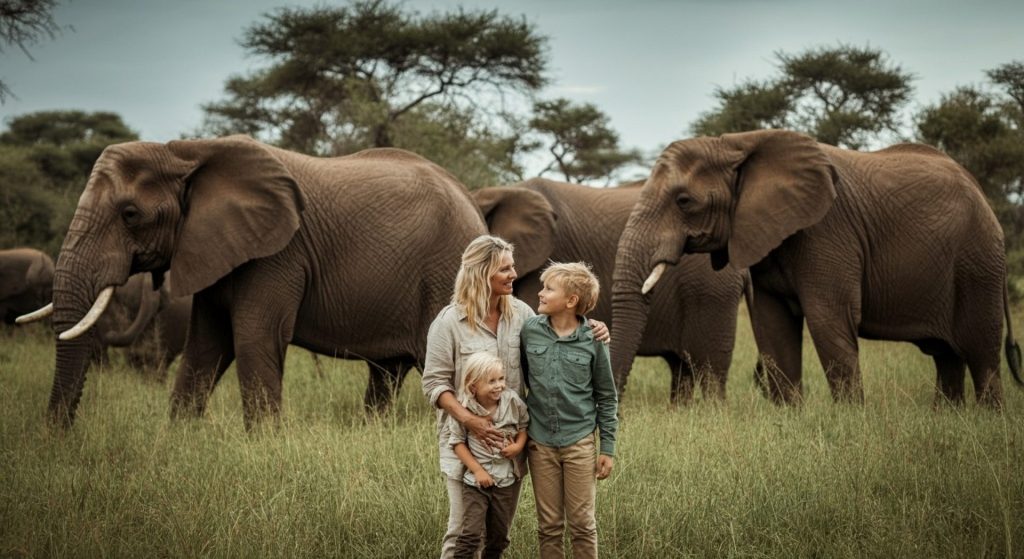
(482,477)
(516,446)
(607,399)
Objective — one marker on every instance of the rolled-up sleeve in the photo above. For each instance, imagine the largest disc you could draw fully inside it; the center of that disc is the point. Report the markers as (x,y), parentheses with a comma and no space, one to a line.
(607,399)
(439,368)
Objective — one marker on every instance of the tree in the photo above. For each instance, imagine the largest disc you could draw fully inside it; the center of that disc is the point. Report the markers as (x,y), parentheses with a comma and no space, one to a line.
(45,161)
(580,141)
(23,23)
(344,78)
(844,96)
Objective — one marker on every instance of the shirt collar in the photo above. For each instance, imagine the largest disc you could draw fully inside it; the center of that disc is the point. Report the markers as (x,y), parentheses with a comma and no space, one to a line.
(582,332)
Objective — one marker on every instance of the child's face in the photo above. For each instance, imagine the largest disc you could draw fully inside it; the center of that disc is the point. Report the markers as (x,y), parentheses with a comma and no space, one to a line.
(554,300)
(489,387)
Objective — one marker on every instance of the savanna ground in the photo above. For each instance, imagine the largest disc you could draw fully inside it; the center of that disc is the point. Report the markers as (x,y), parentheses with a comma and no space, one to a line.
(893,478)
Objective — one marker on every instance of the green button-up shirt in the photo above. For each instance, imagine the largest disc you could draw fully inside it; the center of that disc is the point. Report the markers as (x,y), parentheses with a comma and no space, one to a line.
(571,389)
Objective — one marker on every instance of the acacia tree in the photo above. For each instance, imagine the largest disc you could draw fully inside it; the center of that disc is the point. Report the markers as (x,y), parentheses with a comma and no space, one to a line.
(343,78)
(580,140)
(845,96)
(23,23)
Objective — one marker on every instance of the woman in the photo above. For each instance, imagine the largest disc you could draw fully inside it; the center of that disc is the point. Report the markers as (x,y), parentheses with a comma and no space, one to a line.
(483,316)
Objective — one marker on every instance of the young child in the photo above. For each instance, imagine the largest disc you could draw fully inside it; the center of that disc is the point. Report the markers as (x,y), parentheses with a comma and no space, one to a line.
(571,392)
(490,491)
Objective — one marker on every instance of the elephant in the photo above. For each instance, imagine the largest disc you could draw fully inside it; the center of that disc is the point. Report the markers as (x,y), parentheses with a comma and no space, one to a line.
(149,323)
(346,256)
(693,324)
(26,279)
(896,244)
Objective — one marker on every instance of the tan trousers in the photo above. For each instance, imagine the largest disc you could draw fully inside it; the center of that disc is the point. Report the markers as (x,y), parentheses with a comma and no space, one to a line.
(565,489)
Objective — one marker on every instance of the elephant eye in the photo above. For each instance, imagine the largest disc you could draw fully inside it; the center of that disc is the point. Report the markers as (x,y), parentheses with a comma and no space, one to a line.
(683,200)
(130,215)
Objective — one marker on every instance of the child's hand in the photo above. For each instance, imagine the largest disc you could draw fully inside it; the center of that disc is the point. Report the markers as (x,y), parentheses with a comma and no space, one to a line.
(605,464)
(512,450)
(483,479)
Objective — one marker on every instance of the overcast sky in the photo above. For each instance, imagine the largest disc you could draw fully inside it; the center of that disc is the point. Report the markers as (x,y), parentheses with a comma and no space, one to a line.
(651,65)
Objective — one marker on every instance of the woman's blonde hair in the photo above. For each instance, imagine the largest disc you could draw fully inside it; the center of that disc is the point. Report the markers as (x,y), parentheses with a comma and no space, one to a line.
(477,366)
(480,261)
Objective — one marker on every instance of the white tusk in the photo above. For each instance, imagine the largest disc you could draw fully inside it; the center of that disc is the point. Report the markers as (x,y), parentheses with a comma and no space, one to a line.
(653,278)
(35,315)
(90,317)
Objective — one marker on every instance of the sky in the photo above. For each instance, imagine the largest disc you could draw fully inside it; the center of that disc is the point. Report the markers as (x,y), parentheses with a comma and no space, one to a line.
(650,65)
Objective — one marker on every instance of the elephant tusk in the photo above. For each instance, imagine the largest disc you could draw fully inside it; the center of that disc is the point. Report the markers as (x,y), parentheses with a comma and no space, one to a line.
(90,317)
(35,315)
(653,278)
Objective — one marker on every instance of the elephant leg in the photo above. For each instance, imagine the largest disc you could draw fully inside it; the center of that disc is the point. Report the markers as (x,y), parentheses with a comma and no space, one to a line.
(988,387)
(208,352)
(779,336)
(949,376)
(682,379)
(838,350)
(386,378)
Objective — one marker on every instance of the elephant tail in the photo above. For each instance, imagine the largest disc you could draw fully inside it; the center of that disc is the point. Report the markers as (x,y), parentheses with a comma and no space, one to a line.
(1013,356)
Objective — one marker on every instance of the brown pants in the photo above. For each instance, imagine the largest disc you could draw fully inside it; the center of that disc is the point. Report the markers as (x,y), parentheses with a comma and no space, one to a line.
(486,511)
(565,489)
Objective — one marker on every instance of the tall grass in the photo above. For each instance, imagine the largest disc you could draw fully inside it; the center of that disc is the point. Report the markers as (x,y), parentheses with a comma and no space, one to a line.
(891,478)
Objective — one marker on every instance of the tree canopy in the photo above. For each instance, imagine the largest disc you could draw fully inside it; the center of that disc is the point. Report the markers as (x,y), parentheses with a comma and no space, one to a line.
(581,142)
(45,160)
(845,96)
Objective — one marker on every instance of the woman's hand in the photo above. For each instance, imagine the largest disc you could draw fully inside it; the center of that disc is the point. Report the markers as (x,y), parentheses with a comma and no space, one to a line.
(600,331)
(483,429)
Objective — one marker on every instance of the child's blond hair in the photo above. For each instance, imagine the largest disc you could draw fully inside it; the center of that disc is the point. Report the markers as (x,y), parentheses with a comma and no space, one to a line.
(576,278)
(477,366)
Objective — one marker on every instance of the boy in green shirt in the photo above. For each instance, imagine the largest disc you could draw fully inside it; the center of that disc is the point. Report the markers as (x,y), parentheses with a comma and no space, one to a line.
(571,392)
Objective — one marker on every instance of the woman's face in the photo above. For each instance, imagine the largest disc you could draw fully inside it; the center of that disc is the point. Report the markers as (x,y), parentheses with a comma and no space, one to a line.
(501,281)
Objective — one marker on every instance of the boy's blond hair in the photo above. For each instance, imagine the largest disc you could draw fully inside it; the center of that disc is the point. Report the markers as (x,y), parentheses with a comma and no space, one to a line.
(476,367)
(576,278)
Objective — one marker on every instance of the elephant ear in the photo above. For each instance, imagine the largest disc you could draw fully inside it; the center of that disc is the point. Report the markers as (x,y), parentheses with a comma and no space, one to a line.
(784,184)
(239,203)
(522,217)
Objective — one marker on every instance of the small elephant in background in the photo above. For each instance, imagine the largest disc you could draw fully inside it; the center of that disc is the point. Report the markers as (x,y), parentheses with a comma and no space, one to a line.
(26,282)
(896,244)
(149,323)
(692,322)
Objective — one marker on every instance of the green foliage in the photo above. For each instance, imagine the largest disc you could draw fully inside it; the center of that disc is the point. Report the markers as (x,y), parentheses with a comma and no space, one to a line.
(749,106)
(45,161)
(344,78)
(844,96)
(891,478)
(23,23)
(580,140)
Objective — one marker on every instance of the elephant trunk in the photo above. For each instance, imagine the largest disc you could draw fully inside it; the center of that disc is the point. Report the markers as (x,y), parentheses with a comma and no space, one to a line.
(630,307)
(74,292)
(149,303)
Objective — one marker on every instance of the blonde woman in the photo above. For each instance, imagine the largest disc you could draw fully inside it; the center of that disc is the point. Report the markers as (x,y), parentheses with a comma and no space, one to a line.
(483,316)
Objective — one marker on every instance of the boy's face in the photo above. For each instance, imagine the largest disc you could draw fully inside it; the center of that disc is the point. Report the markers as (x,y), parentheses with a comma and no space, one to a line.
(489,387)
(554,299)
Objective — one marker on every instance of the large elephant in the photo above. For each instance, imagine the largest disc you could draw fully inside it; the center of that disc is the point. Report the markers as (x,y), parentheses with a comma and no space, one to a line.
(896,244)
(26,278)
(149,323)
(347,256)
(693,321)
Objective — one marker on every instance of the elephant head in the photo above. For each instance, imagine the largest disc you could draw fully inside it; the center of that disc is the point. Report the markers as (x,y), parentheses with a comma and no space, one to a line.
(201,207)
(738,197)
(522,217)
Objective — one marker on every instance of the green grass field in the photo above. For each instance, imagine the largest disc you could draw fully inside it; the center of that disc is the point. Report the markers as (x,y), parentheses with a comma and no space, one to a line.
(892,478)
